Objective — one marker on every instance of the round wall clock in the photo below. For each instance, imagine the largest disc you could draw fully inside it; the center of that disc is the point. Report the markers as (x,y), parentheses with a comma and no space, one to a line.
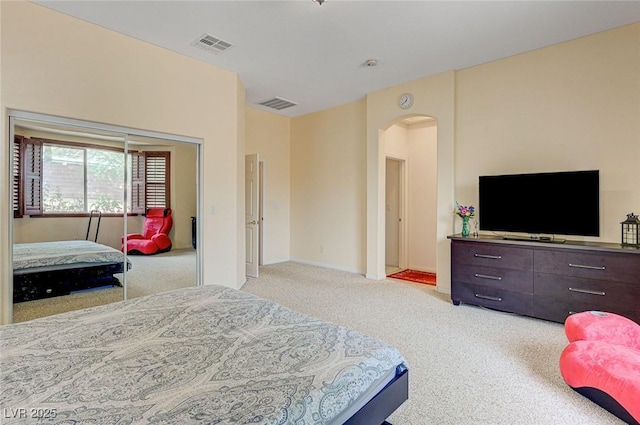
(406,100)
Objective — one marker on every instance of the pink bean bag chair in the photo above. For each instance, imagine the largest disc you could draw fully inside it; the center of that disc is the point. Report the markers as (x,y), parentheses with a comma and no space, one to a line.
(602,361)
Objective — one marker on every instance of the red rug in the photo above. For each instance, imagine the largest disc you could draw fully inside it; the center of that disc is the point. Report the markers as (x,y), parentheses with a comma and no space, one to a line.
(415,276)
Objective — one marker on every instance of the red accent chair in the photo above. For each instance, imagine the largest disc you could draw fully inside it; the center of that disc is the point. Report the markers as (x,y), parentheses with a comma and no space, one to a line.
(155,234)
(602,361)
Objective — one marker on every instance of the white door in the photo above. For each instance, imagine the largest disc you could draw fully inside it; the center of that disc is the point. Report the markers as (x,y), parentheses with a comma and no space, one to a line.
(261,213)
(252,213)
(392,216)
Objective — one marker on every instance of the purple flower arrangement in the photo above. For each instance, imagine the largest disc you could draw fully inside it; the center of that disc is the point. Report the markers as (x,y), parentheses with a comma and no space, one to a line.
(463,211)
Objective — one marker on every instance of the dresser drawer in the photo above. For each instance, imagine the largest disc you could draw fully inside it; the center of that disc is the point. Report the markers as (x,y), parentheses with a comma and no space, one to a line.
(600,266)
(495,298)
(558,309)
(491,255)
(606,294)
(495,277)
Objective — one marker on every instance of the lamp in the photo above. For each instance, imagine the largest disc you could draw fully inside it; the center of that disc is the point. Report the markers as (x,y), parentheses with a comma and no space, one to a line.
(631,231)
(318,1)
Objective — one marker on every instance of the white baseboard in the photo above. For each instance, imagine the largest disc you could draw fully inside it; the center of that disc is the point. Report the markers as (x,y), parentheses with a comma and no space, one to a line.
(276,261)
(327,266)
(422,269)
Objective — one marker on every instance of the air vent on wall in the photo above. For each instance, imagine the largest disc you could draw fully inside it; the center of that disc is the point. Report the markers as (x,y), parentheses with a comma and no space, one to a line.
(277,103)
(212,44)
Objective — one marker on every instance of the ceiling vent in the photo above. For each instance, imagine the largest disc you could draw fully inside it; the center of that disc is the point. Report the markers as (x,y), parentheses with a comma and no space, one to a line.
(277,103)
(212,44)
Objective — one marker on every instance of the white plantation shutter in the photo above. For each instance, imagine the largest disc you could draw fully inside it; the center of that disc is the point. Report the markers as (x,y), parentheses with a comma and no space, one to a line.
(16,183)
(157,180)
(31,162)
(137,182)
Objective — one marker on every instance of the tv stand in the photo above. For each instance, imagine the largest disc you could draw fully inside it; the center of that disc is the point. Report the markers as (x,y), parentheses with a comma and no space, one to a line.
(546,281)
(533,238)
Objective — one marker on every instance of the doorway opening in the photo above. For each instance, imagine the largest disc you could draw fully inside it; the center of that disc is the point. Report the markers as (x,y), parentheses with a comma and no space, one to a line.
(409,147)
(395,195)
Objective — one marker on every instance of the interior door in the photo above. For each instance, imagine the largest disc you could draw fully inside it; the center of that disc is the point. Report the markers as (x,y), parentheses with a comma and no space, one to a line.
(392,213)
(252,213)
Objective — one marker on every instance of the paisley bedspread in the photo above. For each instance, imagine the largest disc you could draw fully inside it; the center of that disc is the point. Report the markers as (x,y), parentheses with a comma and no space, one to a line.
(208,355)
(28,257)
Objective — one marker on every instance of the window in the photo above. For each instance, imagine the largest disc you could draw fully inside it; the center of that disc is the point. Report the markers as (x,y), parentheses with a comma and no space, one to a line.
(52,177)
(82,179)
(157,179)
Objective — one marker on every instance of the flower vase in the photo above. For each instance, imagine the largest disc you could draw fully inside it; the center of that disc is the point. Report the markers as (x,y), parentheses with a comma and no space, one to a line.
(465,227)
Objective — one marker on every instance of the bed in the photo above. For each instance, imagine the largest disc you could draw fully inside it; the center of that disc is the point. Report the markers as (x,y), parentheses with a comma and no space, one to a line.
(49,269)
(205,355)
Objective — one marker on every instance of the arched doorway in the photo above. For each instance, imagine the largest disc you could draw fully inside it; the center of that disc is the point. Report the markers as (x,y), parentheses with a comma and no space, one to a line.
(409,146)
(435,97)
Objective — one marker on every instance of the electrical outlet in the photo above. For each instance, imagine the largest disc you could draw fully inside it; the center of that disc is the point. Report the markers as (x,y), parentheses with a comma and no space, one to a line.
(322,249)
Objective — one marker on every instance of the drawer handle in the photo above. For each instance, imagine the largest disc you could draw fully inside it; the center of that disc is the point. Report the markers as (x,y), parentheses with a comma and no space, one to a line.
(492,257)
(486,276)
(487,297)
(580,266)
(588,291)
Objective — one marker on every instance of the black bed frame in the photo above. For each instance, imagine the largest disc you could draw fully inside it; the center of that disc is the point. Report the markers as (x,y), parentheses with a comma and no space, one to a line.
(38,284)
(383,404)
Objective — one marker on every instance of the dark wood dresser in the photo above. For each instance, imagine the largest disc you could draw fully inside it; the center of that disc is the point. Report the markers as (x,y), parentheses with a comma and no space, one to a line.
(545,280)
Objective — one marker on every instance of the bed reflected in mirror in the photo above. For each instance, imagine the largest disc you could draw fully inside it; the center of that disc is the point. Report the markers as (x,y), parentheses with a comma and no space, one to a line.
(77,193)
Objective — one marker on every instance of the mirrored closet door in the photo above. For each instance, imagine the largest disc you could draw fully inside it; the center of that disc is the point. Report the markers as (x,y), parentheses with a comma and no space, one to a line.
(78,190)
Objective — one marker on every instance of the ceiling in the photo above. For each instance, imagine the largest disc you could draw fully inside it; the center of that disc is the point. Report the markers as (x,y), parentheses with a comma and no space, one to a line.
(315,55)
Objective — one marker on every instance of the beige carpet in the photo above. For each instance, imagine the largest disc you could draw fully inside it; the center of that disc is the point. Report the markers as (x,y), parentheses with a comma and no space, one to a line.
(148,274)
(468,365)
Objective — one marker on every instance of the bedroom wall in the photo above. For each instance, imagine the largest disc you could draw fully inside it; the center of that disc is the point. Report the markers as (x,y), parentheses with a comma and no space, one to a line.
(328,187)
(334,186)
(572,106)
(423,173)
(62,66)
(396,141)
(268,135)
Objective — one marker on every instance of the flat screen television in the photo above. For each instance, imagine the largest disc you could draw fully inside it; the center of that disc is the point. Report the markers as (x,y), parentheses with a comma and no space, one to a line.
(557,203)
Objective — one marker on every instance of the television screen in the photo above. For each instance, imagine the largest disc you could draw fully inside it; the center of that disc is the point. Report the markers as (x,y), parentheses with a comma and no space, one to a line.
(563,203)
